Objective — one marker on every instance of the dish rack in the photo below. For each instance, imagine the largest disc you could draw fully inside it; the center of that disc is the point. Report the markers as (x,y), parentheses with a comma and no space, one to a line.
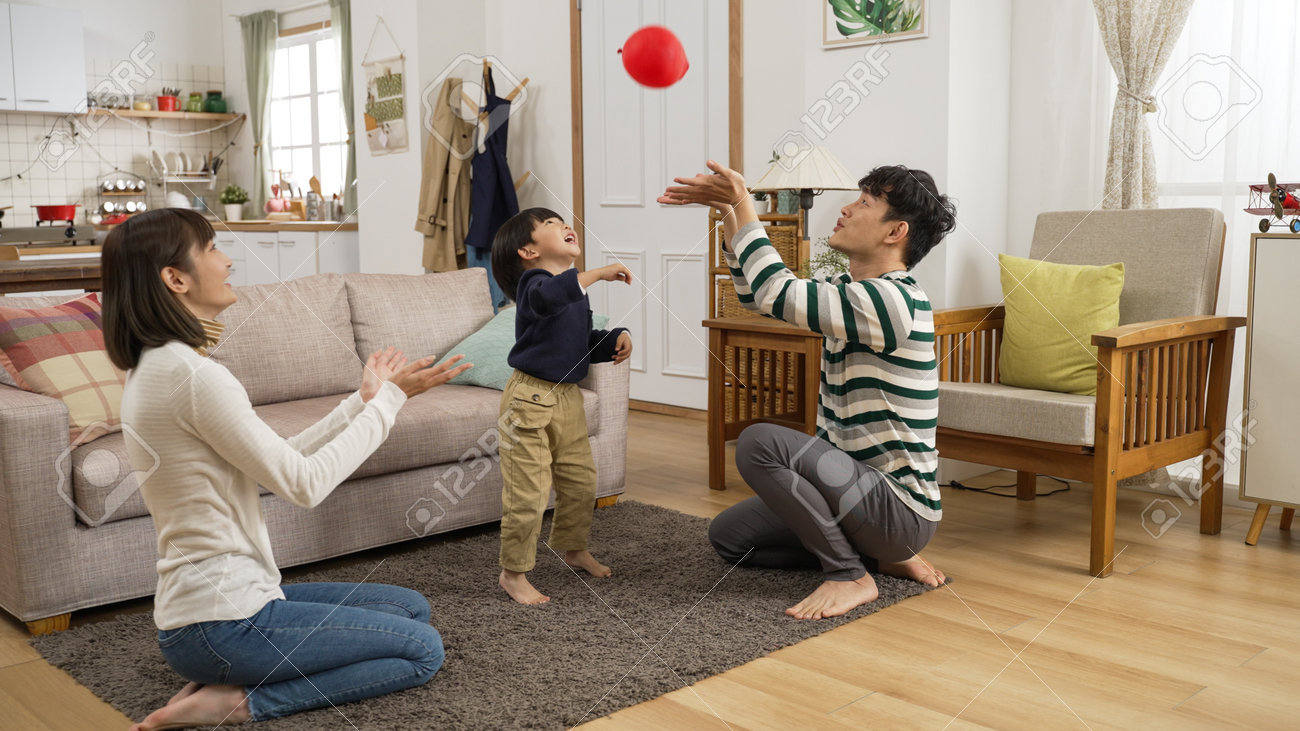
(183,181)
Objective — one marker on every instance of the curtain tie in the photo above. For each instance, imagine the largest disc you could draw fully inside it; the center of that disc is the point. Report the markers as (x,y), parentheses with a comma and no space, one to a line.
(1148,103)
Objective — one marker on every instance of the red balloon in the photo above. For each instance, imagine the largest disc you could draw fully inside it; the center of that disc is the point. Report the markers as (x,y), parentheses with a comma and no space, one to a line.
(654,57)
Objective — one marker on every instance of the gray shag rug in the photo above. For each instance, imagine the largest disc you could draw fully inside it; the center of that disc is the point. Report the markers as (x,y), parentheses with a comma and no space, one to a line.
(673,613)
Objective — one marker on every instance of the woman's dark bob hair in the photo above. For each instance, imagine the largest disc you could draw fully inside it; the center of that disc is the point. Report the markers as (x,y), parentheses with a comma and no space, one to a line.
(139,311)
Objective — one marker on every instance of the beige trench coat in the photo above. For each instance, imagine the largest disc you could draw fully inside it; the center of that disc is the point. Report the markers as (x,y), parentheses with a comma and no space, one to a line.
(445,183)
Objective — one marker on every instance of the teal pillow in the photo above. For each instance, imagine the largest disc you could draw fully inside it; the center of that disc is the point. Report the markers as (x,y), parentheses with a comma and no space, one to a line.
(488,349)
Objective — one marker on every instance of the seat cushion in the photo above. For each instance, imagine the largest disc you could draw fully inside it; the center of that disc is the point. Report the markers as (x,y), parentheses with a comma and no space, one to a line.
(442,425)
(993,408)
(445,424)
(291,340)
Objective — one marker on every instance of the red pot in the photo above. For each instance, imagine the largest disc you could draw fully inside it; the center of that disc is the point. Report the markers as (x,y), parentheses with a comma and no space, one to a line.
(169,104)
(56,213)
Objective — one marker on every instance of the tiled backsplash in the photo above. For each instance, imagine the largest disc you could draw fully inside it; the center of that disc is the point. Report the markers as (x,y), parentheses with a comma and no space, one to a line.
(68,171)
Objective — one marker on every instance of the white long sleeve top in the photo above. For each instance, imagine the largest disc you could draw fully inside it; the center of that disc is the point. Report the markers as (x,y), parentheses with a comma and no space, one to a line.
(192,435)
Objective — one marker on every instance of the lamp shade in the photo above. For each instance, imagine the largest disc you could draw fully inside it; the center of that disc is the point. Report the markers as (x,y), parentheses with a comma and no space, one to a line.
(811,167)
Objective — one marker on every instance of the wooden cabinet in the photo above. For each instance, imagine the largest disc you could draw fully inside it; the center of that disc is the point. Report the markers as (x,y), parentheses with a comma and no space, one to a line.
(47,56)
(1270,464)
(268,257)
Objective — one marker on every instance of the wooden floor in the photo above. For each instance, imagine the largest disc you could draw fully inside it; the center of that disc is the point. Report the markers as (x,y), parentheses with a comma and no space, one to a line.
(1191,631)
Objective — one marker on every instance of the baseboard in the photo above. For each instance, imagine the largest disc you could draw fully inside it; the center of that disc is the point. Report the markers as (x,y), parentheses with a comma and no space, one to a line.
(667,409)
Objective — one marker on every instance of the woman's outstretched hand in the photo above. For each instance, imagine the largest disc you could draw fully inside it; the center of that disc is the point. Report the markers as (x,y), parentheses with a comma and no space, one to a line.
(724,189)
(414,378)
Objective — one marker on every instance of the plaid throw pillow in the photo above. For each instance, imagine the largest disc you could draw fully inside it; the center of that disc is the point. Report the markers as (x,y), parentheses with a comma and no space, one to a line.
(59,352)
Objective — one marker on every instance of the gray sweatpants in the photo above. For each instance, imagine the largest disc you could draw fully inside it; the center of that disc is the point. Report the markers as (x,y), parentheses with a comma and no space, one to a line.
(814,505)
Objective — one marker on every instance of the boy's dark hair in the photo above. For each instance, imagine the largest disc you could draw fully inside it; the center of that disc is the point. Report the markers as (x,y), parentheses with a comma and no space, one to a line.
(139,311)
(515,234)
(912,197)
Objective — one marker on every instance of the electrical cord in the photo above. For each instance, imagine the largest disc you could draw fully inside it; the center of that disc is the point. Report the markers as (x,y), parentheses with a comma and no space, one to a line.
(990,489)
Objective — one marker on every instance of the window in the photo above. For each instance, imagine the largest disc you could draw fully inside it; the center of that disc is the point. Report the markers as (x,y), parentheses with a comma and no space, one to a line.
(308,132)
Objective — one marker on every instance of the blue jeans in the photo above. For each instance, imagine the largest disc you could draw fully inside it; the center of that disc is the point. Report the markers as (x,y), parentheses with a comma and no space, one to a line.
(343,642)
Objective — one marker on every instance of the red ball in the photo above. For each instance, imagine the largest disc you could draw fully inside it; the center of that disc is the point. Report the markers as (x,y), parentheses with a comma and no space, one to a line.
(654,57)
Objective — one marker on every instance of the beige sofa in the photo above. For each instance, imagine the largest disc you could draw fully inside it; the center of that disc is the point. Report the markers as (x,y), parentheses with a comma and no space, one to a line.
(74,532)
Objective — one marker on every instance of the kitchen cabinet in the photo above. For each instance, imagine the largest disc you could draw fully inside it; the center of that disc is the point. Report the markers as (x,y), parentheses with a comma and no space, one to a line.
(269,257)
(6,61)
(47,59)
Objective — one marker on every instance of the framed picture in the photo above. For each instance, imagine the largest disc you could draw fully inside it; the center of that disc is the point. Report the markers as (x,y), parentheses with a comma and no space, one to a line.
(855,22)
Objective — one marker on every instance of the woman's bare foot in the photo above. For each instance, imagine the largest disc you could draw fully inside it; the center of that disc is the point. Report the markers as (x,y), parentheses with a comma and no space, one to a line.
(189,690)
(208,705)
(917,569)
(834,598)
(516,585)
(585,561)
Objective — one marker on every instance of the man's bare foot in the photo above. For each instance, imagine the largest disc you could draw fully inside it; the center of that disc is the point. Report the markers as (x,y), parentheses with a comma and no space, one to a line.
(190,689)
(834,598)
(917,569)
(208,705)
(516,585)
(587,562)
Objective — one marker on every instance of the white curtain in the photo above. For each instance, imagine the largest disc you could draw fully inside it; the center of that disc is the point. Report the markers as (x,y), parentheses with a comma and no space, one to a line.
(1139,36)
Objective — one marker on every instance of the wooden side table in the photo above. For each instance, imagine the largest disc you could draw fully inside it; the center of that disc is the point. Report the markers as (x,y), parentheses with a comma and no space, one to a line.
(760,371)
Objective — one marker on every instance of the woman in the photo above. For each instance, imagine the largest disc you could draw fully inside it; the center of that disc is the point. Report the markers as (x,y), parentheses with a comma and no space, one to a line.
(250,648)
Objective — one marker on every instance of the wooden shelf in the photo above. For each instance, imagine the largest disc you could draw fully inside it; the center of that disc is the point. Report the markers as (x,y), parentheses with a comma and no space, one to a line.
(154,114)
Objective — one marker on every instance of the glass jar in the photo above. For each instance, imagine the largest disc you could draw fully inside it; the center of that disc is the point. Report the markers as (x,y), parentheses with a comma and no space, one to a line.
(215,103)
(195,103)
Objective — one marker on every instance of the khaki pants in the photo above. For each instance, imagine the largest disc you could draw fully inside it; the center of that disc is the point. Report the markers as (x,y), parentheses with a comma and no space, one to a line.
(543,443)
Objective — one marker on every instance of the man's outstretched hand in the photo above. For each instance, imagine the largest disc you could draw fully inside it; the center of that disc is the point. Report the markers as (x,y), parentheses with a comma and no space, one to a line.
(724,189)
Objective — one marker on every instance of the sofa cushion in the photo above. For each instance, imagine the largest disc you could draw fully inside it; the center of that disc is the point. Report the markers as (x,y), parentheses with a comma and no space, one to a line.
(489,350)
(420,315)
(992,408)
(291,340)
(1052,310)
(444,424)
(58,351)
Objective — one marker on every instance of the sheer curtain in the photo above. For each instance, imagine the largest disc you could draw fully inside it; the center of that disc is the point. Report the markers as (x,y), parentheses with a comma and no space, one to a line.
(1230,109)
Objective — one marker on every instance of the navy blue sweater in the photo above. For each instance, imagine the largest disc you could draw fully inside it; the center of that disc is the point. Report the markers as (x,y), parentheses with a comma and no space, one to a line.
(554,340)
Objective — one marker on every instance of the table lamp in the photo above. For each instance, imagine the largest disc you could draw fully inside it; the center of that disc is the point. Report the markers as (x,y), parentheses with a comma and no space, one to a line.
(809,170)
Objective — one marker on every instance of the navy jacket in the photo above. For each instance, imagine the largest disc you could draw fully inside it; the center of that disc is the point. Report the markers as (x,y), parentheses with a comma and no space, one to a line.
(553,336)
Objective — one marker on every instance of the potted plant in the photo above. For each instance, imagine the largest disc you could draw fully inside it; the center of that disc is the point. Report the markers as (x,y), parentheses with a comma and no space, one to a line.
(760,202)
(233,198)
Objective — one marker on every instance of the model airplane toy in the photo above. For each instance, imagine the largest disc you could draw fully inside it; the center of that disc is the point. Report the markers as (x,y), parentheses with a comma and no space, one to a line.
(1276,201)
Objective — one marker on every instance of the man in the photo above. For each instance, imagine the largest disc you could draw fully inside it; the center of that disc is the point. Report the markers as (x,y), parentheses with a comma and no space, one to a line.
(863,489)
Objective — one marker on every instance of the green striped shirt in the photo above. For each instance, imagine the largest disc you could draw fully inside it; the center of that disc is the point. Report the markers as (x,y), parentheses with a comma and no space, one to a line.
(879,396)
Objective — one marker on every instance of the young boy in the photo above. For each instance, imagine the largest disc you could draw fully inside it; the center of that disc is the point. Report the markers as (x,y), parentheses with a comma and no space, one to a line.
(546,441)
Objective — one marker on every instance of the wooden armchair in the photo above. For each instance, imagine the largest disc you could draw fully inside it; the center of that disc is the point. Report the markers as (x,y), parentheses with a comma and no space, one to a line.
(1162,375)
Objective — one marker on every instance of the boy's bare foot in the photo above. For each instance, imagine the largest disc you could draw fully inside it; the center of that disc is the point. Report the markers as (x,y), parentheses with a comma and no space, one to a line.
(208,705)
(917,569)
(585,561)
(190,689)
(516,585)
(834,598)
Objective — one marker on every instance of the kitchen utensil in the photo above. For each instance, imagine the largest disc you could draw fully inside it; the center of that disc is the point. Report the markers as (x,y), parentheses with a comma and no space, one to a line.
(109,206)
(139,207)
(186,163)
(314,184)
(120,184)
(195,102)
(176,199)
(158,162)
(113,220)
(130,207)
(215,103)
(142,106)
(56,213)
(174,162)
(169,104)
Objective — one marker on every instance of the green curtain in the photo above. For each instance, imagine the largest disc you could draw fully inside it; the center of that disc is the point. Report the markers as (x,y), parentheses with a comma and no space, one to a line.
(341,21)
(261,30)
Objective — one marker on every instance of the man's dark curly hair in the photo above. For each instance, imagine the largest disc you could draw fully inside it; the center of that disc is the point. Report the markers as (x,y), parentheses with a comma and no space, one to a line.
(515,234)
(913,197)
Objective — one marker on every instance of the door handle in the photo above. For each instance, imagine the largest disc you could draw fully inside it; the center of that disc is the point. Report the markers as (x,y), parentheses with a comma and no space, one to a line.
(42,101)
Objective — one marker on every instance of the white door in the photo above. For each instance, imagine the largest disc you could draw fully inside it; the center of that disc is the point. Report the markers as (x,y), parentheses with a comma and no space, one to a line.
(49,56)
(635,140)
